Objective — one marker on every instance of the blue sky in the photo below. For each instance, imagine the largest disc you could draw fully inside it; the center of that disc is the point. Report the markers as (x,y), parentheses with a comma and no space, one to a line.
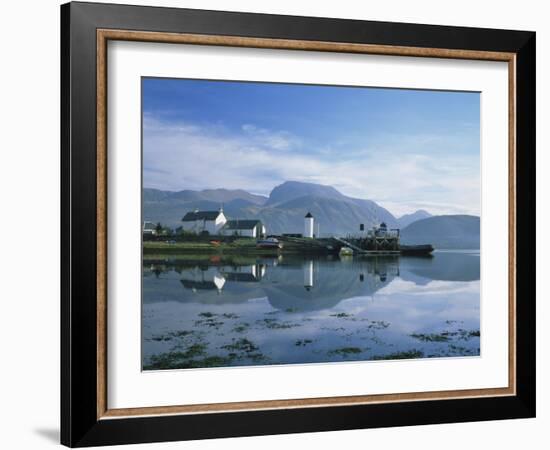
(405,149)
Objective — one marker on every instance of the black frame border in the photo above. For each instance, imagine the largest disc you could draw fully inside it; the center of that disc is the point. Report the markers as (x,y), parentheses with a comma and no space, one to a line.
(79,424)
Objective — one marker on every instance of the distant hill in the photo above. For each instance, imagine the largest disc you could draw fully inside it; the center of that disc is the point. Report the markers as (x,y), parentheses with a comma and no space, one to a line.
(282,212)
(213,195)
(453,231)
(168,207)
(407,219)
(291,190)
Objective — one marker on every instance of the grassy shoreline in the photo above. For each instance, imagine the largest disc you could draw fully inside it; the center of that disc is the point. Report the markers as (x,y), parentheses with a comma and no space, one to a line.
(245,247)
(238,246)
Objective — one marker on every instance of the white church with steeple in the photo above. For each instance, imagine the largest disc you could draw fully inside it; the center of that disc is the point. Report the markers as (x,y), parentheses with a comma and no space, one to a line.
(204,221)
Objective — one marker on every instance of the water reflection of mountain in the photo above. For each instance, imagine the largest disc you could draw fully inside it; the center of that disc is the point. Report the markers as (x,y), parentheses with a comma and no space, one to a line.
(442,266)
(290,284)
(190,282)
(203,279)
(317,284)
(298,284)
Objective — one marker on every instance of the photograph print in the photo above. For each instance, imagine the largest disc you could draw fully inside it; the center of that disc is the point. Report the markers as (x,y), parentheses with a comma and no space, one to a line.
(308,224)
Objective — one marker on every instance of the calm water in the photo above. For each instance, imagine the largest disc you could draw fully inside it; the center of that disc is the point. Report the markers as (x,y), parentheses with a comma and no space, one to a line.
(257,311)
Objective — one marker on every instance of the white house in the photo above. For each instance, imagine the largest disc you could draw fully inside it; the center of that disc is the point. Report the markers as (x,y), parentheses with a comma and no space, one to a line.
(204,221)
(149,228)
(243,227)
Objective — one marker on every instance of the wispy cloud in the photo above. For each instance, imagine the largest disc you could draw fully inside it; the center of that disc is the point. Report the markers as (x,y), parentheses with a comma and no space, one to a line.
(274,140)
(183,155)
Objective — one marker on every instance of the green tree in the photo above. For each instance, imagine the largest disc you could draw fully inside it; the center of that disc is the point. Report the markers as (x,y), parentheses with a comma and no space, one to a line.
(158,228)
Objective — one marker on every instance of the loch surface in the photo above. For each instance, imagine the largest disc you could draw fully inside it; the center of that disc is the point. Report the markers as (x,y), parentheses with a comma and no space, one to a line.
(205,311)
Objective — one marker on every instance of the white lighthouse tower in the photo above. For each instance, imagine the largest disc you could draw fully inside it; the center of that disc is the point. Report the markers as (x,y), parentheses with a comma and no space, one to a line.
(308,225)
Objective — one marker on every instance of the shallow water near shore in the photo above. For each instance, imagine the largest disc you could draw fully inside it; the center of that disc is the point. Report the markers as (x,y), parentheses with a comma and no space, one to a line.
(210,311)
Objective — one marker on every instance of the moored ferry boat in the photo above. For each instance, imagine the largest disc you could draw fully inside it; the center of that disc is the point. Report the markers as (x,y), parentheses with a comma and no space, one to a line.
(423,249)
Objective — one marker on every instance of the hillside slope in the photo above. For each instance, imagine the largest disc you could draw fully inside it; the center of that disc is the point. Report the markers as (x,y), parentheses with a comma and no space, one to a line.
(452,231)
(282,212)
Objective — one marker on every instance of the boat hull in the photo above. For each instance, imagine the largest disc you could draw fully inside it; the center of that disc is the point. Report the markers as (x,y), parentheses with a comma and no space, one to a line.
(424,249)
(272,244)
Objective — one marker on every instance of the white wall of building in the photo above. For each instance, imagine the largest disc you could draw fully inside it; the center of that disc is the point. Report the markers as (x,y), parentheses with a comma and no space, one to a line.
(220,222)
(239,232)
(190,226)
(246,232)
(308,227)
(212,226)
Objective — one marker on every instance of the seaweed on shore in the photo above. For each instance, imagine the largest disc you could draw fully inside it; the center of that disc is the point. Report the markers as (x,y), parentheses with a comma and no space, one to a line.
(345,351)
(241,327)
(446,336)
(378,325)
(244,348)
(242,345)
(430,337)
(209,322)
(174,360)
(408,354)
(274,324)
(174,335)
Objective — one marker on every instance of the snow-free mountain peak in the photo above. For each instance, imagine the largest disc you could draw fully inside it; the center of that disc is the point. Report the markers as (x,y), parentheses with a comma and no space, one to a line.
(290,190)
(407,219)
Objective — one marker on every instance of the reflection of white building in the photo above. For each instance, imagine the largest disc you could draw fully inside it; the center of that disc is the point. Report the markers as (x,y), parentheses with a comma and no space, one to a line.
(218,281)
(204,221)
(308,274)
(215,278)
(210,279)
(254,272)
(243,227)
(308,225)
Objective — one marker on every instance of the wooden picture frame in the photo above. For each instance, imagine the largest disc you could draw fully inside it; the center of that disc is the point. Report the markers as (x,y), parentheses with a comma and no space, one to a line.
(86,418)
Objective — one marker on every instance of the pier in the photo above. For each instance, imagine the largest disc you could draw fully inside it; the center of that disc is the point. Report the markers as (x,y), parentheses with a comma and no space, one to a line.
(378,240)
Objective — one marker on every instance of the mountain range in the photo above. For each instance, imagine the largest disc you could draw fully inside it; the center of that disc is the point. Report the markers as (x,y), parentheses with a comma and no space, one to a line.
(282,211)
(407,219)
(453,231)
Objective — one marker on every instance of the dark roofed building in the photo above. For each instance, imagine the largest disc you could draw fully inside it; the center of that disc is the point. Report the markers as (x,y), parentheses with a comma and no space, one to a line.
(242,224)
(211,279)
(245,274)
(149,228)
(189,284)
(200,215)
(244,227)
(241,277)
(204,221)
